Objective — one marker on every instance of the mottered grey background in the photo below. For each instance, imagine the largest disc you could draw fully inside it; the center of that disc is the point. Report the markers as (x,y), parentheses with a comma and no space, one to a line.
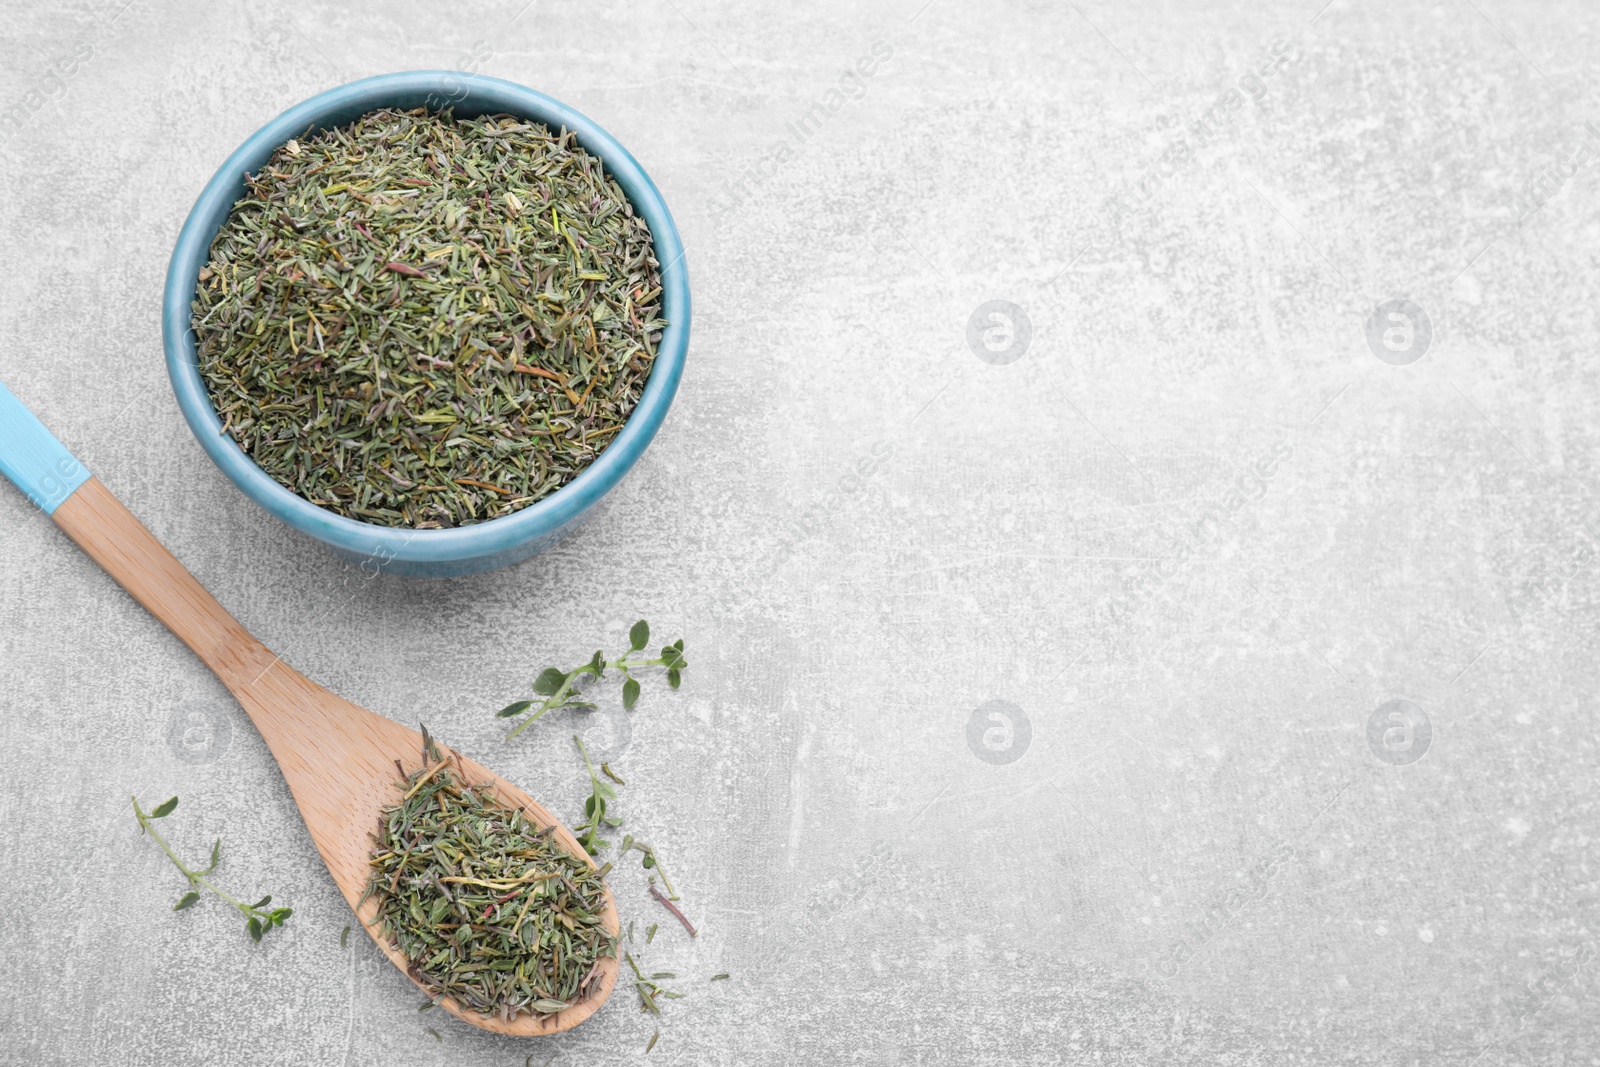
(1130,508)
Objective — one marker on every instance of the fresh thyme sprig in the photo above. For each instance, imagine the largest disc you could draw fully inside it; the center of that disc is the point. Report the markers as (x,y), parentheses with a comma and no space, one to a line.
(595,807)
(260,920)
(560,689)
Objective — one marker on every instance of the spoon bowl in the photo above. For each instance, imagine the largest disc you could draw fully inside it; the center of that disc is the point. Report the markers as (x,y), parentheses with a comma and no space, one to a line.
(311,731)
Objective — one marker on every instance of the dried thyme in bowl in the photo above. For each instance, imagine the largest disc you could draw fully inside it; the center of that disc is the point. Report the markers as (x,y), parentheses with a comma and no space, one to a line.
(489,910)
(420,321)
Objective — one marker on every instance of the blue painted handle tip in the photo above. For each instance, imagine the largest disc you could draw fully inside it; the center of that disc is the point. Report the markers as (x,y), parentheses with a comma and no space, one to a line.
(33,459)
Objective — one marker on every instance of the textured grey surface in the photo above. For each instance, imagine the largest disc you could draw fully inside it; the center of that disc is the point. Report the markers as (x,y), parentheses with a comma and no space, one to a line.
(867,534)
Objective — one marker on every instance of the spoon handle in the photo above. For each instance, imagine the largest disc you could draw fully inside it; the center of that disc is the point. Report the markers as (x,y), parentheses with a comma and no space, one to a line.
(86,511)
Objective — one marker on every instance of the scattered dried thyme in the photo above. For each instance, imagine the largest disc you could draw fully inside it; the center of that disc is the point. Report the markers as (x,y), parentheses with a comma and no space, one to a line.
(490,910)
(420,321)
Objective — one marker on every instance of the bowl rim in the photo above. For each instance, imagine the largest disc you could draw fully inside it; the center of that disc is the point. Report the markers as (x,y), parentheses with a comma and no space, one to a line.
(482,95)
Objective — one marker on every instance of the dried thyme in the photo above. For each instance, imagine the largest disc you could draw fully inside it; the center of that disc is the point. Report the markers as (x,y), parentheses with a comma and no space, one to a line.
(650,862)
(489,909)
(650,988)
(419,321)
(677,912)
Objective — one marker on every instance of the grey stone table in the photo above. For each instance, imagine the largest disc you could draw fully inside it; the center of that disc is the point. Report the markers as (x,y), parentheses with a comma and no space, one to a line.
(1131,509)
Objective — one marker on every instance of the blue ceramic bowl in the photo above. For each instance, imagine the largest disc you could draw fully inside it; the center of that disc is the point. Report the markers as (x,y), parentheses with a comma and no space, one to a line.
(467,549)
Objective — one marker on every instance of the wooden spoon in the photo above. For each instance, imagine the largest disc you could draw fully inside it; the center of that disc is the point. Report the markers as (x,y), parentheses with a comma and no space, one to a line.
(339,759)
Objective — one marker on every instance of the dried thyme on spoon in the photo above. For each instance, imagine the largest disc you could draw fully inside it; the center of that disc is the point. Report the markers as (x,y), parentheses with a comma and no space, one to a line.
(490,910)
(414,320)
